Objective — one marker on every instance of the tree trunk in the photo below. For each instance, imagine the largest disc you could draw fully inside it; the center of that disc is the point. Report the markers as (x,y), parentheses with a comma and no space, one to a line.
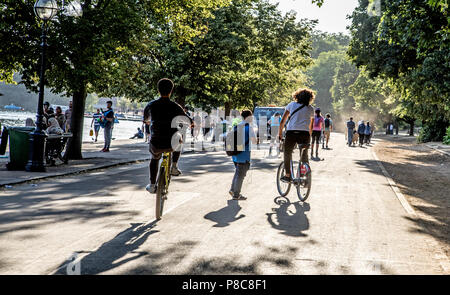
(78,105)
(411,128)
(227,108)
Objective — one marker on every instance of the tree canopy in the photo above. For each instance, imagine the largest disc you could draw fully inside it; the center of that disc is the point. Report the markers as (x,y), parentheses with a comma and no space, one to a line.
(409,44)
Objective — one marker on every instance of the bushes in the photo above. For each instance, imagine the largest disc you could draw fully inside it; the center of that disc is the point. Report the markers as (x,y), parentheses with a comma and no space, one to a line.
(433,131)
(447,136)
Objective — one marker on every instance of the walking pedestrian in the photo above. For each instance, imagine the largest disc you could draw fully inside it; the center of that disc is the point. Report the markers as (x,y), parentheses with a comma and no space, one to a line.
(96,121)
(197,126)
(274,122)
(328,128)
(350,128)
(317,132)
(367,133)
(108,118)
(242,160)
(361,130)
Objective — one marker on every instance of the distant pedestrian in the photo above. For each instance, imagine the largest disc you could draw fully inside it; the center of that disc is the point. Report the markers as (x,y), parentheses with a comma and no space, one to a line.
(96,121)
(68,115)
(367,133)
(108,118)
(274,122)
(350,128)
(317,132)
(48,113)
(197,126)
(361,131)
(328,128)
(146,128)
(60,117)
(242,160)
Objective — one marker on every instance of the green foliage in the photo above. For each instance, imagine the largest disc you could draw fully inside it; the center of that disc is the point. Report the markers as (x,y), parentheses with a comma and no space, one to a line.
(433,131)
(345,76)
(250,54)
(447,136)
(85,53)
(408,45)
(325,42)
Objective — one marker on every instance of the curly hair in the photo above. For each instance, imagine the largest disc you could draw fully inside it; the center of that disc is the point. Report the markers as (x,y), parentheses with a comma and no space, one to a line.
(304,96)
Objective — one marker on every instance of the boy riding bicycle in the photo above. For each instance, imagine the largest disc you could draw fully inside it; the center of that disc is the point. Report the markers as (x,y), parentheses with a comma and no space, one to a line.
(165,116)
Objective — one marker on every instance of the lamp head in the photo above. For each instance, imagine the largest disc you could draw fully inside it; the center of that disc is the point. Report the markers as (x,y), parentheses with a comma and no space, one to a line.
(45,9)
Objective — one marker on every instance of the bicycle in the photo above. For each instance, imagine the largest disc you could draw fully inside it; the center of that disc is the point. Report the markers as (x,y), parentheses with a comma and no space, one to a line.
(163,181)
(301,178)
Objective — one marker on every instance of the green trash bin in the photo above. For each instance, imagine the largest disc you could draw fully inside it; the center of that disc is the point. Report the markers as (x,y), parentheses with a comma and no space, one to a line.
(19,147)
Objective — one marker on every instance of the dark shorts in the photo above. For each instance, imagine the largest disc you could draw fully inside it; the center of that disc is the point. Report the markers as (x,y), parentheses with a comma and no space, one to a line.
(158,146)
(96,128)
(157,152)
(316,135)
(301,138)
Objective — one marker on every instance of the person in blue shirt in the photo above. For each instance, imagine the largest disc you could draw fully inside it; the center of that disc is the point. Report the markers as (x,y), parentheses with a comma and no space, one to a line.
(242,160)
(367,133)
(96,121)
(361,130)
(274,122)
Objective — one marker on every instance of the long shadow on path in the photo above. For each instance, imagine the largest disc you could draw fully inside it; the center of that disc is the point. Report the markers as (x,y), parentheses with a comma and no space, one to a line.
(115,252)
(289,218)
(225,216)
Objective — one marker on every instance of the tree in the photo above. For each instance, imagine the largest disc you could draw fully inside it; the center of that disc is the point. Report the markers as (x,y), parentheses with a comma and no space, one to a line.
(345,76)
(321,75)
(245,57)
(409,44)
(85,52)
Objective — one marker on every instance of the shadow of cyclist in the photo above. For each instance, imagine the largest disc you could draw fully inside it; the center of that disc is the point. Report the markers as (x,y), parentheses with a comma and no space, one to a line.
(226,215)
(289,218)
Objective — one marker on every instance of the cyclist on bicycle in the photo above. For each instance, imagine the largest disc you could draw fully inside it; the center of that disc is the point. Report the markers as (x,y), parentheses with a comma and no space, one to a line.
(299,127)
(162,112)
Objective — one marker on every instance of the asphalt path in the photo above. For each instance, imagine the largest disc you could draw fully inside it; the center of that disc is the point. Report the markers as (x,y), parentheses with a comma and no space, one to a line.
(103,222)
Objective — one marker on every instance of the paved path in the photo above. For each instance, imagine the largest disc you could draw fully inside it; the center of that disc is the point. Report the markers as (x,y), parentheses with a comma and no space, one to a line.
(353,222)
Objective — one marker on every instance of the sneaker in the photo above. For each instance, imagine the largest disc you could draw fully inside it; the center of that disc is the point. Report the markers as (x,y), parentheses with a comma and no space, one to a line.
(286,179)
(239,198)
(151,188)
(175,171)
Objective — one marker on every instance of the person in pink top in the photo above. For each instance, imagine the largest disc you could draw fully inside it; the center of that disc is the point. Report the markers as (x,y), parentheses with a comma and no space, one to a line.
(317,132)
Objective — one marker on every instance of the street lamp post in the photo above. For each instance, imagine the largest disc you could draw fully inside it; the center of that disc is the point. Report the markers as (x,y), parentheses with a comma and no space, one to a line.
(45,10)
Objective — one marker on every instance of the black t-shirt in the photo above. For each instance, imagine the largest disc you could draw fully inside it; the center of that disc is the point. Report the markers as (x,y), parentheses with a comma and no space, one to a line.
(161,113)
(109,114)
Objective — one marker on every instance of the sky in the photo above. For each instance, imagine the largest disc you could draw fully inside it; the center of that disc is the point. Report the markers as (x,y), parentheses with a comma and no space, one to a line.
(331,16)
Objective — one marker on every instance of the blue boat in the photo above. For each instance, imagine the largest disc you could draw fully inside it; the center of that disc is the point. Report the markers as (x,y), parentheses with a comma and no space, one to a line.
(13,107)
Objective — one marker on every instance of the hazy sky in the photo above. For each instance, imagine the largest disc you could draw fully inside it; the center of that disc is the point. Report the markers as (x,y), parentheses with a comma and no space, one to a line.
(331,16)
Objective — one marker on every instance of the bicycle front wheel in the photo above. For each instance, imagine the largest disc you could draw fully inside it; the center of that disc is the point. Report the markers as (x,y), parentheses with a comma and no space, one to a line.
(304,185)
(160,193)
(283,188)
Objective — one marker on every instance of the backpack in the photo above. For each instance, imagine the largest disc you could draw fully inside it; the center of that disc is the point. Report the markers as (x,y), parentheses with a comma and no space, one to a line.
(327,123)
(231,142)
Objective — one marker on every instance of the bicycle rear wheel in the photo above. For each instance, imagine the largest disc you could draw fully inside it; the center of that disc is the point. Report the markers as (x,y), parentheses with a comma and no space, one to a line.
(283,188)
(160,193)
(304,185)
